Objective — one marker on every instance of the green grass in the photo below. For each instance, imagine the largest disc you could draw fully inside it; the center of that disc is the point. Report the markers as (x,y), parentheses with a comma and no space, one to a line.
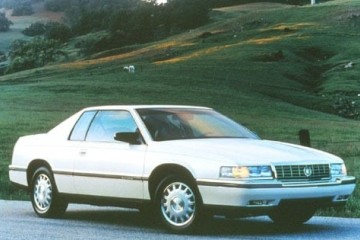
(234,70)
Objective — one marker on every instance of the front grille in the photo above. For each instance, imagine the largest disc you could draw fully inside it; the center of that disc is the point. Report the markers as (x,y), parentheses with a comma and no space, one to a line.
(309,172)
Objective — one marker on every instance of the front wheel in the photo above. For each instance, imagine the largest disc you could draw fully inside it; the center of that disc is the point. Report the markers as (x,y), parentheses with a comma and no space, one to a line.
(178,204)
(44,196)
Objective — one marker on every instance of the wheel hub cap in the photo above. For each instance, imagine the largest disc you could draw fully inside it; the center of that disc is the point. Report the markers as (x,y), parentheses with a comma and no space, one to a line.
(178,204)
(42,193)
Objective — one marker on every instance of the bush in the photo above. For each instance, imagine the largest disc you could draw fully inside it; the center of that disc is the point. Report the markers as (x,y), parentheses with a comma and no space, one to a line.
(36,53)
(345,107)
(57,31)
(51,30)
(96,42)
(35,29)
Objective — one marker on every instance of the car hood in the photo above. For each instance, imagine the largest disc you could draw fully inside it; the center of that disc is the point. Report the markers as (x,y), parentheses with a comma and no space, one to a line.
(243,151)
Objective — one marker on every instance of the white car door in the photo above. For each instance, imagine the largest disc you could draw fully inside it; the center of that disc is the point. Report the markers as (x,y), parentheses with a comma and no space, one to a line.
(106,167)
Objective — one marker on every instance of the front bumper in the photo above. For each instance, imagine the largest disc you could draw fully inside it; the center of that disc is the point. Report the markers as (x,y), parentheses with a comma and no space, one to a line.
(271,194)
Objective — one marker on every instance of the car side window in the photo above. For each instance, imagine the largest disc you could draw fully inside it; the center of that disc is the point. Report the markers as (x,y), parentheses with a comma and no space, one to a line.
(107,123)
(82,125)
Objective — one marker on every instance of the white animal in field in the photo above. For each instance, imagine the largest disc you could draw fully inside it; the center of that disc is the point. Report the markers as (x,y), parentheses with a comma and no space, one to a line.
(349,65)
(130,68)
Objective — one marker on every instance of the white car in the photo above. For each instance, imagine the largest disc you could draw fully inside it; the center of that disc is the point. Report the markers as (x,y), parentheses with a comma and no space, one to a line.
(179,163)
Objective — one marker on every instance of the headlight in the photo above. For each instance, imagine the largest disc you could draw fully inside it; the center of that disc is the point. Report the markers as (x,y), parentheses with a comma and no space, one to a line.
(246,172)
(338,169)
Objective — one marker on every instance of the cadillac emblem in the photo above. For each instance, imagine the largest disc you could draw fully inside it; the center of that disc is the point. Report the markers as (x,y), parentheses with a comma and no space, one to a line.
(307,171)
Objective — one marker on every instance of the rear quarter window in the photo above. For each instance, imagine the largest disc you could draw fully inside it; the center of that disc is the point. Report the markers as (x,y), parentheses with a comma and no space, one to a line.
(81,127)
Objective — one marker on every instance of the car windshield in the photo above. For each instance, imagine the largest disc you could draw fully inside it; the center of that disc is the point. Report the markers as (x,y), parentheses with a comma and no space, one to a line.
(172,124)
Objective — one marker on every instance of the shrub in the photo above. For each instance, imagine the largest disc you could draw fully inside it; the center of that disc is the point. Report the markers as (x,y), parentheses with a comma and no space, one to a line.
(35,29)
(36,53)
(51,30)
(345,107)
(57,31)
(93,43)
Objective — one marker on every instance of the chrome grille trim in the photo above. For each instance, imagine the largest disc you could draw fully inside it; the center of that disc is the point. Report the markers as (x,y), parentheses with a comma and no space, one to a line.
(301,172)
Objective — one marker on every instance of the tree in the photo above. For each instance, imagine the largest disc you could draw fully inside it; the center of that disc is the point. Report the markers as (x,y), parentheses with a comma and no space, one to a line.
(36,53)
(51,30)
(4,23)
(186,14)
(136,25)
(57,31)
(35,29)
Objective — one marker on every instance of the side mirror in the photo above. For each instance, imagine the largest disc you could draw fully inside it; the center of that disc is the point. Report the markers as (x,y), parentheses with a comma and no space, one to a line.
(129,137)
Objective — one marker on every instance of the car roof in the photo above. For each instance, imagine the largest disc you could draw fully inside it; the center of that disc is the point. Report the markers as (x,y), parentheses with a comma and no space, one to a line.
(134,107)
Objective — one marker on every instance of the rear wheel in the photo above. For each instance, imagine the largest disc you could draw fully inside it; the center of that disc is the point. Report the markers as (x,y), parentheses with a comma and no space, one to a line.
(178,204)
(292,215)
(44,196)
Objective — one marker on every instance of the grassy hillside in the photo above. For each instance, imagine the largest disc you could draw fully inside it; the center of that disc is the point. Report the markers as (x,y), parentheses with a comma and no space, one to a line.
(273,67)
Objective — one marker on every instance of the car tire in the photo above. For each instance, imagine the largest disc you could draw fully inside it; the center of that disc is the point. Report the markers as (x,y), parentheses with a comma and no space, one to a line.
(178,204)
(292,215)
(44,196)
